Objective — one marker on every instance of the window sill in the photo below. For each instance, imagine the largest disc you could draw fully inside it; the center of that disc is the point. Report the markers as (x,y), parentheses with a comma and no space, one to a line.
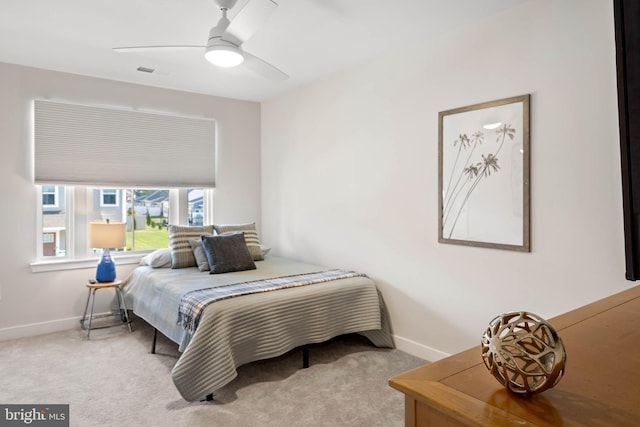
(74,264)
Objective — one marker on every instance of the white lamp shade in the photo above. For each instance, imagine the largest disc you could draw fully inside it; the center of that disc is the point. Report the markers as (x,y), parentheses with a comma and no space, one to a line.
(107,235)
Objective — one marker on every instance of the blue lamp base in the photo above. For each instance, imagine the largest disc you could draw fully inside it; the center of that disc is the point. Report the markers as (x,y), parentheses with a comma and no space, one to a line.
(106,271)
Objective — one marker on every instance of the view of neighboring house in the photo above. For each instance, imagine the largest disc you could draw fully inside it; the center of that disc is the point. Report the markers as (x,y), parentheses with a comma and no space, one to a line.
(54,221)
(113,205)
(156,204)
(109,204)
(196,198)
(153,202)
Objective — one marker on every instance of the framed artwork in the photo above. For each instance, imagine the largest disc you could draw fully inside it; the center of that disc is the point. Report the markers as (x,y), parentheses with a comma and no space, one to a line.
(483,175)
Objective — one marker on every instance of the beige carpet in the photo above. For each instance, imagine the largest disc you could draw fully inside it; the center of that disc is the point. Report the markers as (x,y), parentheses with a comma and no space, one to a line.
(113,380)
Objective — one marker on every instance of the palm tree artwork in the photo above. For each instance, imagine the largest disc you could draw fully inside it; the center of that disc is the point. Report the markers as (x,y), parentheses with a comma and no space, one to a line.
(469,171)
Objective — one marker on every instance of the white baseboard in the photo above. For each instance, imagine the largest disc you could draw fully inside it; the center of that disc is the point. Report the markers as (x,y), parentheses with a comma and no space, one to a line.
(35,329)
(419,350)
(41,328)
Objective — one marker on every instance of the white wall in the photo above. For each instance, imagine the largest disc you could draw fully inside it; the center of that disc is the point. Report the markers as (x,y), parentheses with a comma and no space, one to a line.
(350,172)
(32,303)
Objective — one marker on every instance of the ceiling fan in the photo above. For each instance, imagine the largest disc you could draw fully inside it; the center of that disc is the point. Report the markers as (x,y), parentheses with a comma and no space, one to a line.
(224,47)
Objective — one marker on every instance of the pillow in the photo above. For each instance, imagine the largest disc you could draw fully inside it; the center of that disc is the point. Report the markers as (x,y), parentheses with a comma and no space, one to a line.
(198,253)
(179,236)
(227,253)
(264,250)
(160,258)
(250,237)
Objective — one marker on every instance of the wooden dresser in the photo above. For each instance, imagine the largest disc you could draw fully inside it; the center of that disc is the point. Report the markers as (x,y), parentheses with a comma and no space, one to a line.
(600,387)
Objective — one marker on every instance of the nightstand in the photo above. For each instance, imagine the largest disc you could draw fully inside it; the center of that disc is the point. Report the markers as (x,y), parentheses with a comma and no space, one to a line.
(93,287)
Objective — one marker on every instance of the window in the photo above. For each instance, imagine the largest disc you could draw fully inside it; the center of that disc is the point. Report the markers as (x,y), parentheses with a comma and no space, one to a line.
(196,207)
(147,219)
(109,197)
(130,183)
(54,221)
(50,196)
(146,212)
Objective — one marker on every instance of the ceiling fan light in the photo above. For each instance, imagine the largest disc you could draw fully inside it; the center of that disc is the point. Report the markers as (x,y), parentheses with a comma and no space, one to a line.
(224,56)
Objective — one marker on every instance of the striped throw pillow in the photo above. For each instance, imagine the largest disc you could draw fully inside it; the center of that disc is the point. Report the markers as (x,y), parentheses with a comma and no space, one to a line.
(179,236)
(251,237)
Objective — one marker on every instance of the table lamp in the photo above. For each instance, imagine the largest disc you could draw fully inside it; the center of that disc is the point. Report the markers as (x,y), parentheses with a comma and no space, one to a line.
(106,235)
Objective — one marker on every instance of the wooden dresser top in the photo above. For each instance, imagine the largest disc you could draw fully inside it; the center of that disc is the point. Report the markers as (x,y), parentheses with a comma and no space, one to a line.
(600,387)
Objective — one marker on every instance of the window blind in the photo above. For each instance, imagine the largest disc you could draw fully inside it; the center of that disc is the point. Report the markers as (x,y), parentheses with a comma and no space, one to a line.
(80,144)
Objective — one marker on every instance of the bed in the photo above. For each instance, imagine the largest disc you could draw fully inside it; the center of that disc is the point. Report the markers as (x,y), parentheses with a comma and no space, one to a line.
(254,326)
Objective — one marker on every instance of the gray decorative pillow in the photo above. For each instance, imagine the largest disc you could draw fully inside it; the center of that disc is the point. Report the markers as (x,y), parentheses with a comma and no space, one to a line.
(179,236)
(250,236)
(198,253)
(227,253)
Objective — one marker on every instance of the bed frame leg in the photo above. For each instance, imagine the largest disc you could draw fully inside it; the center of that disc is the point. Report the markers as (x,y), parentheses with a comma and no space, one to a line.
(305,357)
(153,344)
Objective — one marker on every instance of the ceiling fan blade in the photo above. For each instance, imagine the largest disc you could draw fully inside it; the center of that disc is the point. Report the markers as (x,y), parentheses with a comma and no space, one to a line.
(146,48)
(248,20)
(263,68)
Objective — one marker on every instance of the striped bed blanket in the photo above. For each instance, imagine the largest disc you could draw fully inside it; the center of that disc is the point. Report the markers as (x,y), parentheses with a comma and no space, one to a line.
(193,303)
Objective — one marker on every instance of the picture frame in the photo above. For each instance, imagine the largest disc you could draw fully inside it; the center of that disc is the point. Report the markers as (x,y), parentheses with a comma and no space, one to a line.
(484,175)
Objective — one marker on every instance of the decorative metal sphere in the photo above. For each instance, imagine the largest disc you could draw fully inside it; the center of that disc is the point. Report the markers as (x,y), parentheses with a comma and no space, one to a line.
(523,352)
